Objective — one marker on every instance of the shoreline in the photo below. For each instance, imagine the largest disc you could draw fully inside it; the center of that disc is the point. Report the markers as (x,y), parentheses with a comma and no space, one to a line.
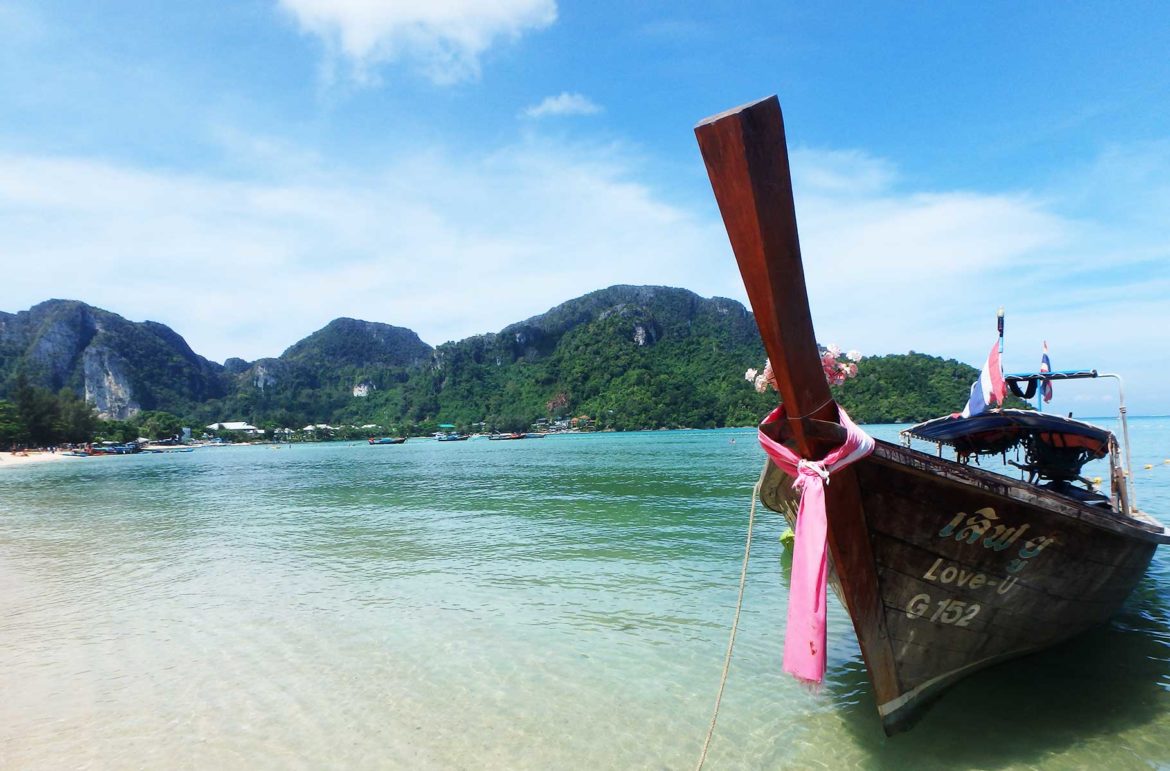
(11,460)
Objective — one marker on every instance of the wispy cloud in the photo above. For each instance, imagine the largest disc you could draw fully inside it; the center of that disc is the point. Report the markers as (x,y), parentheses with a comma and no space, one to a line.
(563,103)
(841,173)
(443,39)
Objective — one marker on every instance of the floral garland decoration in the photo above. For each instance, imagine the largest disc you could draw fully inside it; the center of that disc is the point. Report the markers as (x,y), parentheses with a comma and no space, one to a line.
(837,369)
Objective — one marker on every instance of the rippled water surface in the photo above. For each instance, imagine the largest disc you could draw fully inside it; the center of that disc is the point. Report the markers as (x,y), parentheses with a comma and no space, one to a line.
(561,603)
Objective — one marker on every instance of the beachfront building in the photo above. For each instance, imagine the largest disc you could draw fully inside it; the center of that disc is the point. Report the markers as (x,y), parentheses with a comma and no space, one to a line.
(238,425)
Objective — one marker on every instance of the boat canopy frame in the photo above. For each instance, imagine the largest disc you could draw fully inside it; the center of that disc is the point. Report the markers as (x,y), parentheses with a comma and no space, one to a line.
(948,431)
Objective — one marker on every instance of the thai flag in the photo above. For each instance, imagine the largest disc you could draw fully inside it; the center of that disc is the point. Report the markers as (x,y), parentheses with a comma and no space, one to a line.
(989,388)
(1046,366)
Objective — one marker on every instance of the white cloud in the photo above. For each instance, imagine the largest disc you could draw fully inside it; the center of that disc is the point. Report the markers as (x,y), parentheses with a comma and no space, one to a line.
(447,246)
(453,245)
(563,104)
(443,38)
(890,271)
(842,173)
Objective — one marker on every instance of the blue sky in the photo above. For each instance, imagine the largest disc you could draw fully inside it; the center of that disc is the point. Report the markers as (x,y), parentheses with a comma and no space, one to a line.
(245,172)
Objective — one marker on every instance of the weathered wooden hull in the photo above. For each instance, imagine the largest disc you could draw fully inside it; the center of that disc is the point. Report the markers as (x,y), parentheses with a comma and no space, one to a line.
(967,568)
(944,568)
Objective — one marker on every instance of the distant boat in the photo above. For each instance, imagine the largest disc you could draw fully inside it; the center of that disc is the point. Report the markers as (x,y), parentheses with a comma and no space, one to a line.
(387,440)
(535,435)
(110,448)
(945,568)
(504,437)
(447,433)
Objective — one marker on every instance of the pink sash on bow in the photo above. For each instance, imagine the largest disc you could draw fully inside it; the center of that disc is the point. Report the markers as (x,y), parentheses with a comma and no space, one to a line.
(804,640)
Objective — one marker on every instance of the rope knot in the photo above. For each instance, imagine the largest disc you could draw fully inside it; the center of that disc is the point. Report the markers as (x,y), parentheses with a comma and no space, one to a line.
(806,468)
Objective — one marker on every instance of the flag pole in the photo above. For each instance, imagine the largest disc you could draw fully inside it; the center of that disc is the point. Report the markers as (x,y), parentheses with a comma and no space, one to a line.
(999,327)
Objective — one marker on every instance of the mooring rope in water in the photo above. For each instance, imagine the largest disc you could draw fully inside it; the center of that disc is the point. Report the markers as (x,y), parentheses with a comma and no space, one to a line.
(747,552)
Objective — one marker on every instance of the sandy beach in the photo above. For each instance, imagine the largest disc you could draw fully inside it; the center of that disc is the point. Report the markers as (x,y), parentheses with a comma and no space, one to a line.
(10,460)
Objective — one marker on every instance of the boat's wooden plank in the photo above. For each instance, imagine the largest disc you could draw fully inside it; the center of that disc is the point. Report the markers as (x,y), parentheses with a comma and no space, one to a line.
(934,513)
(961,601)
(926,647)
(1061,579)
(747,161)
(903,459)
(1055,582)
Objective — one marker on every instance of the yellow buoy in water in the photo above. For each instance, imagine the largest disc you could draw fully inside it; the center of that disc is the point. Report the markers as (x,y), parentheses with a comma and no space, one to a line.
(1149,466)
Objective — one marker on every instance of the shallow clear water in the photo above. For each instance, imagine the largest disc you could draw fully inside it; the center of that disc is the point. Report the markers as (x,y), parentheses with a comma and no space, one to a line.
(561,603)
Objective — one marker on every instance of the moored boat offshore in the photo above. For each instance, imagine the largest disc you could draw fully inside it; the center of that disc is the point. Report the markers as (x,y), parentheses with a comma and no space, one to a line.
(944,568)
(387,440)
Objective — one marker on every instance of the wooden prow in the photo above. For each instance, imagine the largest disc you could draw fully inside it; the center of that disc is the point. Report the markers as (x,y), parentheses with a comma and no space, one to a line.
(747,160)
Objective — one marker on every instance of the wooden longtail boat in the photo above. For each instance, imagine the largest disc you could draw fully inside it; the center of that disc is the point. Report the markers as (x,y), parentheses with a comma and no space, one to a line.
(944,568)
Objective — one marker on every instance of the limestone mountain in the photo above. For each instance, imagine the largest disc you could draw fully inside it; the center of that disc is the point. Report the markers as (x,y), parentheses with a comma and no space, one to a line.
(635,356)
(119,366)
(352,343)
(628,357)
(319,376)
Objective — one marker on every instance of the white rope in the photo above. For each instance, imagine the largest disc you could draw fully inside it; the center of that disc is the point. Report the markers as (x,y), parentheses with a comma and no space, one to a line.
(816,467)
(747,551)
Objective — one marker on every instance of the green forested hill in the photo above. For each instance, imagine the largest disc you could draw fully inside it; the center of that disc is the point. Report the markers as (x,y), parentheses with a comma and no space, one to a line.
(906,388)
(314,380)
(628,357)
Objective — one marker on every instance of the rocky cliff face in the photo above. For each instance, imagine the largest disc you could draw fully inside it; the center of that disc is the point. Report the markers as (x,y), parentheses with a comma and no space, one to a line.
(120,366)
(107,386)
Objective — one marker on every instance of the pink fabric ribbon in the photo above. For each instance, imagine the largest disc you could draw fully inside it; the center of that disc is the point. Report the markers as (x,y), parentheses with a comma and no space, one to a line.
(804,640)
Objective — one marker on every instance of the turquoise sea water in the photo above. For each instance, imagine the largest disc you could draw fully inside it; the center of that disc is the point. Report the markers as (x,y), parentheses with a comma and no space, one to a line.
(560,603)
